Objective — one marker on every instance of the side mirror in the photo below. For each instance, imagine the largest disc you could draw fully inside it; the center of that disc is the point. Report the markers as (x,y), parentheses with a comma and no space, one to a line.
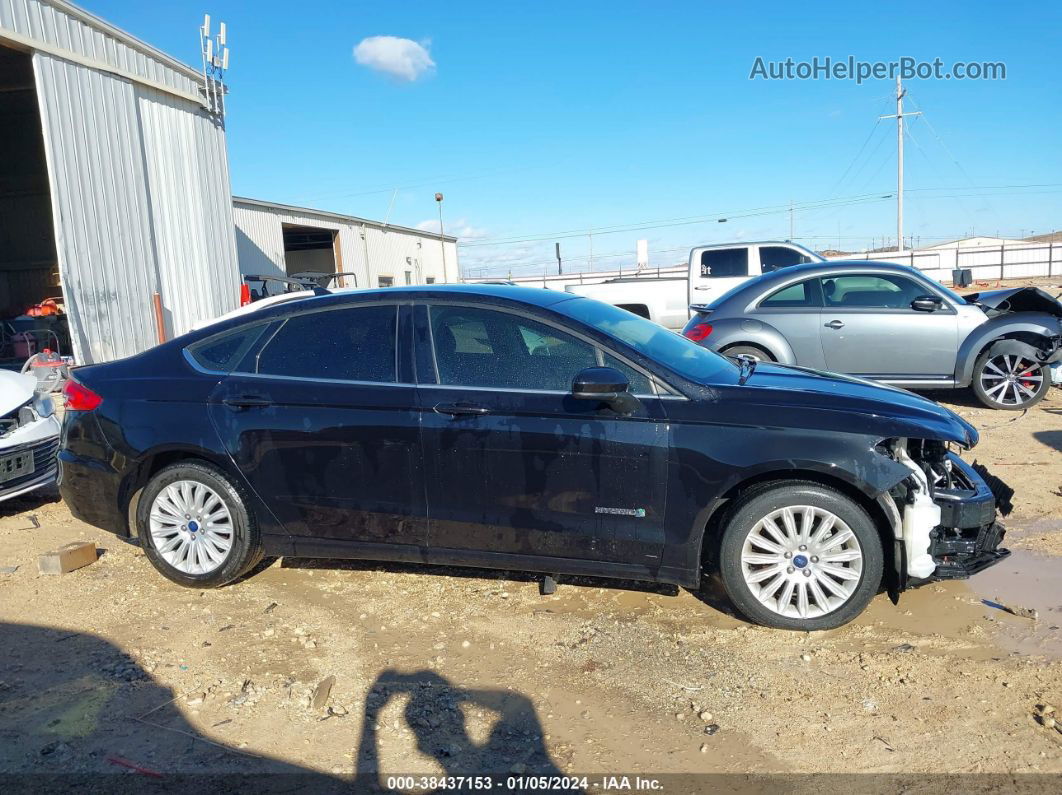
(600,383)
(606,385)
(927,303)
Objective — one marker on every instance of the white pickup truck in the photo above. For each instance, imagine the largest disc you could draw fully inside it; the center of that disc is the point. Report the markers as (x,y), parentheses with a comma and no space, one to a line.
(712,271)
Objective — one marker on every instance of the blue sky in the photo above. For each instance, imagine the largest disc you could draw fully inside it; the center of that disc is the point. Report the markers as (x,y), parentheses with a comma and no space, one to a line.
(549,118)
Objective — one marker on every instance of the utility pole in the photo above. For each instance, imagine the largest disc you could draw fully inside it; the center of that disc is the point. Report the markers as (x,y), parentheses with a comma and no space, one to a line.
(591,236)
(442,240)
(560,270)
(899,115)
(790,220)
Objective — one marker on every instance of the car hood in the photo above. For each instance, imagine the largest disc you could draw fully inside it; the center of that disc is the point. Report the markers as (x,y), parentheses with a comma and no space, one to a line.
(15,389)
(1017,299)
(866,406)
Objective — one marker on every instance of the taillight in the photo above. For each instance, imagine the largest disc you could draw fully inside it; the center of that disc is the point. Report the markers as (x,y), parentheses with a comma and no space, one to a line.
(79,397)
(245,294)
(698,331)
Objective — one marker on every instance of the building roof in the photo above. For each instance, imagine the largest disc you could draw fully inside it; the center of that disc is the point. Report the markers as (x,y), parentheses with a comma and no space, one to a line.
(339,217)
(1050,237)
(972,242)
(62,29)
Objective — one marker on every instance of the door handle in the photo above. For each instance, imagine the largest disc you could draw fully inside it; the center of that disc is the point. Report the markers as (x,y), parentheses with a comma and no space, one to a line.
(246,402)
(460,409)
(835,324)
(702,287)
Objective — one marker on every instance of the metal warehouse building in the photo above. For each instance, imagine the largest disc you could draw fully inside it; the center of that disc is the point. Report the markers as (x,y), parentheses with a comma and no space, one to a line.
(277,240)
(114,184)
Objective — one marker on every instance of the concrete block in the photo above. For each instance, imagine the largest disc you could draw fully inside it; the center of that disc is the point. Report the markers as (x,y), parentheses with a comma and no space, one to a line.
(68,557)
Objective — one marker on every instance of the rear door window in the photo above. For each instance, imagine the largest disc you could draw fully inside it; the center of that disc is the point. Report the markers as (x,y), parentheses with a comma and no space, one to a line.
(774,257)
(724,262)
(350,344)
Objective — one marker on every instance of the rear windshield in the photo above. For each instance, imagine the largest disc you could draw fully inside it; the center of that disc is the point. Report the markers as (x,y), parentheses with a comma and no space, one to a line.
(653,341)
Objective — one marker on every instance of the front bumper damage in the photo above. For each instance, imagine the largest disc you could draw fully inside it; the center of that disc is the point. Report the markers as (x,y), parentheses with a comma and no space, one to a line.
(948,514)
(969,536)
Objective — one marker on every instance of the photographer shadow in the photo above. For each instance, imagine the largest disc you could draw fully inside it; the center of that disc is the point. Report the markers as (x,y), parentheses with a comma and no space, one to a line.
(436,712)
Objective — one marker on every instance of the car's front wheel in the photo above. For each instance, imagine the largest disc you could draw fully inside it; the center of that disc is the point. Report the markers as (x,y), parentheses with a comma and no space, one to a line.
(799,555)
(1009,381)
(195,527)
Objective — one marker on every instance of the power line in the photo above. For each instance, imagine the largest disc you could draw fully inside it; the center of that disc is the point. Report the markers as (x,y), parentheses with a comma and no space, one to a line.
(679,221)
(837,184)
(754,212)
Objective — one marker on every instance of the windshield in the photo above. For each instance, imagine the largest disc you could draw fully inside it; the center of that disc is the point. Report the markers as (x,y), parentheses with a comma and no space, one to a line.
(655,342)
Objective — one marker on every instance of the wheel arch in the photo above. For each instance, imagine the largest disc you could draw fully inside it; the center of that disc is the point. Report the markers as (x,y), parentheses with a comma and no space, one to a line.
(1030,331)
(712,527)
(155,461)
(765,351)
(730,332)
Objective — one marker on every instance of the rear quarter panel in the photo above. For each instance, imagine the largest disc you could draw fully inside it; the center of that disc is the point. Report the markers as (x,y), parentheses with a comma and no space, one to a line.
(155,404)
(738,330)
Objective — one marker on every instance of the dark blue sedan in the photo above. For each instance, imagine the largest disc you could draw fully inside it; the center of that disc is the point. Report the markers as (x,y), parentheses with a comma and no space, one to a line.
(512,428)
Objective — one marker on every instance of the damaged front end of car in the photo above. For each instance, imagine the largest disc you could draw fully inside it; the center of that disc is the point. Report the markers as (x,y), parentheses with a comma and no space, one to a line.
(945,514)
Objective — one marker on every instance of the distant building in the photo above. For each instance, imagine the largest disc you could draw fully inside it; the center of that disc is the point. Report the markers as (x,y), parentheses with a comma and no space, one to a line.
(1050,237)
(277,240)
(114,183)
(978,241)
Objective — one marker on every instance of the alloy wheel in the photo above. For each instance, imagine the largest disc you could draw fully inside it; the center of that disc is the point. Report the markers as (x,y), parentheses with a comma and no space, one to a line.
(801,561)
(191,527)
(1010,379)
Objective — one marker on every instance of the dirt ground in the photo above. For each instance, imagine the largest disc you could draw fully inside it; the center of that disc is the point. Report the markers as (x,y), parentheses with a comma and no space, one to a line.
(379,670)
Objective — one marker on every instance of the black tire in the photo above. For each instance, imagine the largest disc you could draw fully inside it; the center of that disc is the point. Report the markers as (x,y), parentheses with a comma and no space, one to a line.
(246,548)
(743,517)
(748,349)
(982,371)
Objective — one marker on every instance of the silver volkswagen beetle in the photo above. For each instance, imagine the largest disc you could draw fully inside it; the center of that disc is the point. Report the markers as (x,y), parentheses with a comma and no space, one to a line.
(891,323)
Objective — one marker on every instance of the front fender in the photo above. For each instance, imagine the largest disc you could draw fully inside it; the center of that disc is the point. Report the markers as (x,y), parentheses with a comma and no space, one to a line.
(1035,324)
(709,462)
(737,331)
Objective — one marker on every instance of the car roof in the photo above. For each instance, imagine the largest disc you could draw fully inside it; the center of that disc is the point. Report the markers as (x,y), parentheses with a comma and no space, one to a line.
(528,295)
(794,273)
(832,266)
(535,296)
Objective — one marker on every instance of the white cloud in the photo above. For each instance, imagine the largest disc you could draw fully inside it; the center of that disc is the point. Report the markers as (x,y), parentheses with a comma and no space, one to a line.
(404,59)
(460,229)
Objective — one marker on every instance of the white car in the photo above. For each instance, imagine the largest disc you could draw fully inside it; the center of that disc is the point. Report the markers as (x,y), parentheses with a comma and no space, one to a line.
(711,271)
(29,436)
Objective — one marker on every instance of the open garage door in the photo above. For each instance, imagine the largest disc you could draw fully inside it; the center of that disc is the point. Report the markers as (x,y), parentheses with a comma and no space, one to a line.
(313,249)
(30,297)
(99,196)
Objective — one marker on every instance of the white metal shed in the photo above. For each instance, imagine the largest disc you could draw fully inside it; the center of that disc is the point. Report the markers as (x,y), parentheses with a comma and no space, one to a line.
(276,239)
(122,152)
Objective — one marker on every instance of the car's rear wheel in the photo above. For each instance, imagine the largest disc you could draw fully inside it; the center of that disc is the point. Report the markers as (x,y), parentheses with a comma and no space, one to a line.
(195,527)
(1009,381)
(753,351)
(800,556)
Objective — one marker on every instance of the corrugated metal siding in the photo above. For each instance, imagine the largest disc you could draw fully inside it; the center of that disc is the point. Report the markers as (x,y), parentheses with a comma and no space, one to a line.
(61,25)
(366,249)
(259,241)
(191,210)
(140,190)
(99,200)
